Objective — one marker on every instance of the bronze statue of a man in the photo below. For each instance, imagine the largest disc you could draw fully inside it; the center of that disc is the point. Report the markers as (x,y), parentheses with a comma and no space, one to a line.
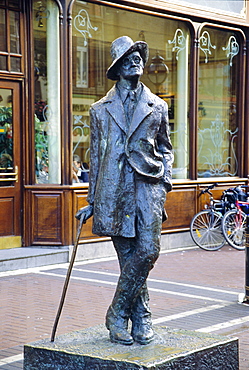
(130,174)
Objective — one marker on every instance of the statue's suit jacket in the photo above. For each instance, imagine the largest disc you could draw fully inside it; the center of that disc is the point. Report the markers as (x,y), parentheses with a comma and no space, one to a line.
(123,156)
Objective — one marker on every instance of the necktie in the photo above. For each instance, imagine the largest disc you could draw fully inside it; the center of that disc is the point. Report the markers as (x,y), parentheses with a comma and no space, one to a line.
(129,105)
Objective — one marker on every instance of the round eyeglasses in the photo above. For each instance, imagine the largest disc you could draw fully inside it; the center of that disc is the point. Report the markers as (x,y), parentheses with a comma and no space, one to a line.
(132,59)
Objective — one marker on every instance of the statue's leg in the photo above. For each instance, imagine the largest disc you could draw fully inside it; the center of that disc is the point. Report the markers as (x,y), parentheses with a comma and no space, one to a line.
(140,311)
(142,331)
(117,315)
(136,260)
(137,257)
(149,207)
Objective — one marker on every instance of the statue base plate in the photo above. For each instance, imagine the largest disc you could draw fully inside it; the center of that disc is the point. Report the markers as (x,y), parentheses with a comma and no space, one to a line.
(91,349)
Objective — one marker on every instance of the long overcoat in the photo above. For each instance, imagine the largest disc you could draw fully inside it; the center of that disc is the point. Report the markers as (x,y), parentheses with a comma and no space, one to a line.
(122,155)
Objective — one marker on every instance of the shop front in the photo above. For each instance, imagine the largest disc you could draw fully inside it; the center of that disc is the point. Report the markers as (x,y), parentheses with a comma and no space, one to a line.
(53,61)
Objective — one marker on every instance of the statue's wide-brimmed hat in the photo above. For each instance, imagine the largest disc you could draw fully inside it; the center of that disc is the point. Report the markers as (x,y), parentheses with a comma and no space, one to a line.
(121,47)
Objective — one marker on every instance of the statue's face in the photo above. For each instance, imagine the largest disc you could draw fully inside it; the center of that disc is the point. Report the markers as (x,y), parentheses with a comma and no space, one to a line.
(131,66)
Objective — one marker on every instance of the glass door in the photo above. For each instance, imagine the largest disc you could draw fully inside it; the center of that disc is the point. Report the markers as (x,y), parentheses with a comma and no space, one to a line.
(10,187)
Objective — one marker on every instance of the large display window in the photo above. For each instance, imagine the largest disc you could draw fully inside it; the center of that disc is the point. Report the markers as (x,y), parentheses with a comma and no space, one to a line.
(47,91)
(218,110)
(167,72)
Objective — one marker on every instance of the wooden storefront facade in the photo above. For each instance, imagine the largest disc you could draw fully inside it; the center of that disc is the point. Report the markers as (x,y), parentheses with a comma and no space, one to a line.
(53,58)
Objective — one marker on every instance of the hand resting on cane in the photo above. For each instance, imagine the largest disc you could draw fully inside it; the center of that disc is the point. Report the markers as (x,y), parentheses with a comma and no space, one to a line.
(85,212)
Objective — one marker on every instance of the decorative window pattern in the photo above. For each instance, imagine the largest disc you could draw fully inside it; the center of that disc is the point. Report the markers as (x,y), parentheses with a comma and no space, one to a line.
(166,73)
(218,159)
(217,111)
(232,49)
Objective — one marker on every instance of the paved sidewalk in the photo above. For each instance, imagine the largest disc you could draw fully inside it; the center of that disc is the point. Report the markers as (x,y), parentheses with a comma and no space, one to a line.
(192,289)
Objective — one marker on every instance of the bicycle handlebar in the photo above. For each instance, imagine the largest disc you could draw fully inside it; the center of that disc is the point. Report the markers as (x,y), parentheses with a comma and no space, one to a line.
(244,186)
(210,187)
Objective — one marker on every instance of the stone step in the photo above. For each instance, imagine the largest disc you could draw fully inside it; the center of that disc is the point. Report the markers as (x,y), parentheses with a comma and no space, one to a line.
(28,257)
(23,258)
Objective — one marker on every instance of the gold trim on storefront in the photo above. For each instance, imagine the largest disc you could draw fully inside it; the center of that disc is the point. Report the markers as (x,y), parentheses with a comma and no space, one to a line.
(9,242)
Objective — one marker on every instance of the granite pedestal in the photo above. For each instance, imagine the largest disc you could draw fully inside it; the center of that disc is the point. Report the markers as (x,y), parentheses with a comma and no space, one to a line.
(91,349)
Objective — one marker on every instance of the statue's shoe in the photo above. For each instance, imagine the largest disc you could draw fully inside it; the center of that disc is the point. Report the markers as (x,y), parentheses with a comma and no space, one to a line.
(117,326)
(120,335)
(142,333)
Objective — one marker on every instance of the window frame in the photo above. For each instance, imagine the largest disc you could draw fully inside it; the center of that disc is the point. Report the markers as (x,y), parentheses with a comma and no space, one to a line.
(240,98)
(8,54)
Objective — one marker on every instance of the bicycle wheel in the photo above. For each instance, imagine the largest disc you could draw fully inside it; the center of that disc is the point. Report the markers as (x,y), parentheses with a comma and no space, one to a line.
(205,230)
(234,227)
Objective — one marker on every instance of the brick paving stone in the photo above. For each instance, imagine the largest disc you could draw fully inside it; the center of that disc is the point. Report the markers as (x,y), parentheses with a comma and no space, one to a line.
(29,302)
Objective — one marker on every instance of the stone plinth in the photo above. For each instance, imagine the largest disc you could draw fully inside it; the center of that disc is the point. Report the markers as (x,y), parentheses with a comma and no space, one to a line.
(91,349)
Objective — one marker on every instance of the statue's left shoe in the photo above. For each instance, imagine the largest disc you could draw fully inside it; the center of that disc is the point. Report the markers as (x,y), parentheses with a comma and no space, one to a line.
(117,326)
(142,332)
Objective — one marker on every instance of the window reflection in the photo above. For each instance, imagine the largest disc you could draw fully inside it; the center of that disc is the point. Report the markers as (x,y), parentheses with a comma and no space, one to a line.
(168,41)
(3,63)
(14,32)
(15,64)
(14,3)
(3,40)
(6,130)
(10,43)
(47,92)
(217,110)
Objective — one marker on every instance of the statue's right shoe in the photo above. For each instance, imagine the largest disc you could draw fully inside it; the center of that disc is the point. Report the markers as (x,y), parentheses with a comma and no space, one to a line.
(117,327)
(119,335)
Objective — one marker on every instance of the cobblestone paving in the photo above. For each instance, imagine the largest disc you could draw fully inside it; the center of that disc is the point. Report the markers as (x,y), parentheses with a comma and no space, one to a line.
(192,289)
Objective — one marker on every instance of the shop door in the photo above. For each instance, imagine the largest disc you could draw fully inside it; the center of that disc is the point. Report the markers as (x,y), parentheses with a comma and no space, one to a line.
(10,145)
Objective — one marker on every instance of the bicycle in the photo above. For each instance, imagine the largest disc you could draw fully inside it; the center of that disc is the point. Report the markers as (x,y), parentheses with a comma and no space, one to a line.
(205,227)
(234,221)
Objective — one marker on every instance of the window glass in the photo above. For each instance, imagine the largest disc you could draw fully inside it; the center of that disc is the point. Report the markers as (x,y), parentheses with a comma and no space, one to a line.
(14,32)
(3,40)
(217,105)
(94,27)
(3,63)
(15,64)
(10,39)
(6,129)
(47,92)
(14,3)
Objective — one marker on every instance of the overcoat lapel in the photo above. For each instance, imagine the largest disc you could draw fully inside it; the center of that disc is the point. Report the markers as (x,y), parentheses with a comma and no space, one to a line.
(116,109)
(143,109)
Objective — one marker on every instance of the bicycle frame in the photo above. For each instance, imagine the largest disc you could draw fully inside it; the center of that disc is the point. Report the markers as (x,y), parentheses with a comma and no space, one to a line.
(238,205)
(205,227)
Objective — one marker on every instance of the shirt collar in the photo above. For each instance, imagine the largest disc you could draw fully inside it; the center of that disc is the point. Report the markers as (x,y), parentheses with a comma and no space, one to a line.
(123,92)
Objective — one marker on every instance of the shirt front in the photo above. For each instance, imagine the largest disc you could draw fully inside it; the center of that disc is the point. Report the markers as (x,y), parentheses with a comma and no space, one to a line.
(129,99)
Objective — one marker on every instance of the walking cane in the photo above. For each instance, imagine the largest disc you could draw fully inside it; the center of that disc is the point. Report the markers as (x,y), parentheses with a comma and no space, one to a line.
(82,221)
